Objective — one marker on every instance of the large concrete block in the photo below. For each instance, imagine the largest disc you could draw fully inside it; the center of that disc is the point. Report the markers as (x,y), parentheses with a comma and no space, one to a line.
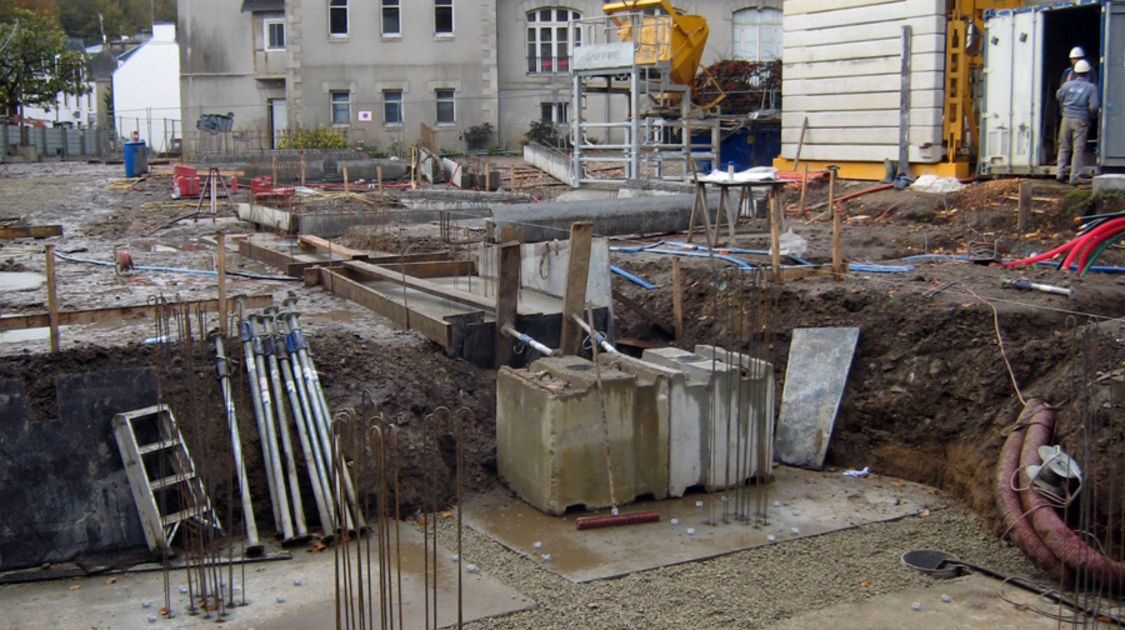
(1109,183)
(754,405)
(550,440)
(652,410)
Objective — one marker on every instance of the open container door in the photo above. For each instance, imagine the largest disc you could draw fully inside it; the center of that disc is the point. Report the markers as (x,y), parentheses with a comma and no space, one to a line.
(1011,115)
(1112,132)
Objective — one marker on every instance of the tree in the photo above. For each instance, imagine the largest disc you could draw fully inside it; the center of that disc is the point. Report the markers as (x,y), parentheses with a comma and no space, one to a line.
(35,63)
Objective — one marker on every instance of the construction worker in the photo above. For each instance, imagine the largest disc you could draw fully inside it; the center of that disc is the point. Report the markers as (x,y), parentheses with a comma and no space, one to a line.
(1076,55)
(1079,101)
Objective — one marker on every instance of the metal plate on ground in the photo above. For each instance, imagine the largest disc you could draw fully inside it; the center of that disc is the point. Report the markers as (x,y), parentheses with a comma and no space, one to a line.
(815,375)
(812,502)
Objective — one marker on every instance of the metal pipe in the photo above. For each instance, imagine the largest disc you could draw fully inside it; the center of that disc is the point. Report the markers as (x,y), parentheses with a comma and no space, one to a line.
(1027,285)
(266,335)
(223,366)
(271,431)
(598,336)
(535,345)
(296,345)
(313,465)
(246,333)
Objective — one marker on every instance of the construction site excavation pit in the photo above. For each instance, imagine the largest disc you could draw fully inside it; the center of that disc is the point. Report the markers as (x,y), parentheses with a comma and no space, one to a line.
(926,408)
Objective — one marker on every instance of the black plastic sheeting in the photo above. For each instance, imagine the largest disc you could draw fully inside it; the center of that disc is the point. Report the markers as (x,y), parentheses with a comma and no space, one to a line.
(63,489)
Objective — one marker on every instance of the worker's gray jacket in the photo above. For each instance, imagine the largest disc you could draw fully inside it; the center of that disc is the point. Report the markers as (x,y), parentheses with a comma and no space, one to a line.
(1079,99)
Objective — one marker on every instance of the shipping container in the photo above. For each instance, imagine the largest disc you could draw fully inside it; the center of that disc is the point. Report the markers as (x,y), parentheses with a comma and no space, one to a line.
(1026,52)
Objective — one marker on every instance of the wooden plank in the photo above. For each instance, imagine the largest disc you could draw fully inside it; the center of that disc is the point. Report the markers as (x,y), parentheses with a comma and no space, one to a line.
(436,269)
(636,307)
(678,298)
(837,219)
(98,315)
(382,259)
(775,235)
(931,44)
(574,292)
(860,33)
(338,282)
(263,254)
(52,300)
(507,298)
(30,231)
(370,271)
(308,241)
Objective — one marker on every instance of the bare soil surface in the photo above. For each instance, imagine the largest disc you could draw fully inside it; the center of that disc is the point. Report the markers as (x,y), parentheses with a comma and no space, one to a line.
(929,396)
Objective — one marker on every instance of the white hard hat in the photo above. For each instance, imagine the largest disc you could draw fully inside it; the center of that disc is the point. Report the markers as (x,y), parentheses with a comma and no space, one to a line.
(1082,67)
(1077,53)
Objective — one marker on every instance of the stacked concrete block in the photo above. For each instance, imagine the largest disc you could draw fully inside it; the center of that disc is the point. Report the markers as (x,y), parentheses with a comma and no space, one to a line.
(653,408)
(550,439)
(753,406)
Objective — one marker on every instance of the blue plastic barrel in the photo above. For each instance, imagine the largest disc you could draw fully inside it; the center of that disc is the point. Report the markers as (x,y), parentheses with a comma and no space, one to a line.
(136,159)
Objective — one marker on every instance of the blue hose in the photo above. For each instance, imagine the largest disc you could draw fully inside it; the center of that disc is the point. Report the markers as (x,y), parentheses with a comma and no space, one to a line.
(647,286)
(196,272)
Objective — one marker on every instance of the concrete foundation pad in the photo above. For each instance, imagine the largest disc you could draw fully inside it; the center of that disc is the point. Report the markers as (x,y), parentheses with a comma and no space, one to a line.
(1110,182)
(812,502)
(974,602)
(94,602)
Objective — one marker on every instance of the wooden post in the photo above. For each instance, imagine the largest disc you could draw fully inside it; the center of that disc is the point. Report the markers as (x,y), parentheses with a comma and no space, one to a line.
(1027,189)
(302,169)
(677,299)
(507,298)
(837,248)
(379,174)
(904,105)
(775,234)
(512,178)
(274,180)
(221,272)
(574,294)
(487,177)
(800,143)
(346,190)
(52,299)
(804,186)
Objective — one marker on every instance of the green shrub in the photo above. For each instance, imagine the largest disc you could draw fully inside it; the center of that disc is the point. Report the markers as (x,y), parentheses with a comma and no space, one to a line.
(477,136)
(545,132)
(318,137)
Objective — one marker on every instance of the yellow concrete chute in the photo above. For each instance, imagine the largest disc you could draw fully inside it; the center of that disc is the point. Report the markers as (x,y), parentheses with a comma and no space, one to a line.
(676,38)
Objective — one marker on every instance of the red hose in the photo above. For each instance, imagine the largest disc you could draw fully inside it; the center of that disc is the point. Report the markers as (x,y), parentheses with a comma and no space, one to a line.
(1084,561)
(865,191)
(1016,523)
(1093,247)
(1041,257)
(1089,239)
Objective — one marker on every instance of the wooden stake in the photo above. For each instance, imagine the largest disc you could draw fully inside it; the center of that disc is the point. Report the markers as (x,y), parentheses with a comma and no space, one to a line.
(775,234)
(52,299)
(274,180)
(346,191)
(507,298)
(379,174)
(221,272)
(574,293)
(800,142)
(804,186)
(512,178)
(837,249)
(487,178)
(302,169)
(1027,189)
(677,300)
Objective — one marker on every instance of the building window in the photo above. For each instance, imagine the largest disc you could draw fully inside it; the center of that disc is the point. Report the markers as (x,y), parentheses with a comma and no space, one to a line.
(392,107)
(757,34)
(443,17)
(445,110)
(275,34)
(558,113)
(338,18)
(392,27)
(341,108)
(546,39)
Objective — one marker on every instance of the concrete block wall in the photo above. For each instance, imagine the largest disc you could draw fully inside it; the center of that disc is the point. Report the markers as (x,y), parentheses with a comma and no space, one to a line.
(550,440)
(676,420)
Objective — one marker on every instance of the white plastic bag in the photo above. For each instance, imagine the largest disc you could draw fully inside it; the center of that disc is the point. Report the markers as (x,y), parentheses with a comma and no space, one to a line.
(790,244)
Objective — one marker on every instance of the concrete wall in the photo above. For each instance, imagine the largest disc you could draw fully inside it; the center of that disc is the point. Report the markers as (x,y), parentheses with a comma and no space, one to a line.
(842,62)
(146,89)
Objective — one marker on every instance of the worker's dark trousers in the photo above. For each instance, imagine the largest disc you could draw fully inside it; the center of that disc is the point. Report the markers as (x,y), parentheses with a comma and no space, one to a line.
(1072,148)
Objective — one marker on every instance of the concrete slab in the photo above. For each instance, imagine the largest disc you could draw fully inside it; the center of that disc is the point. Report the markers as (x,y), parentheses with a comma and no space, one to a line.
(274,599)
(813,502)
(1109,182)
(974,602)
(815,375)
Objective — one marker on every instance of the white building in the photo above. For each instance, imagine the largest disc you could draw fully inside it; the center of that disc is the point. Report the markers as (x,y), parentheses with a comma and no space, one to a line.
(146,91)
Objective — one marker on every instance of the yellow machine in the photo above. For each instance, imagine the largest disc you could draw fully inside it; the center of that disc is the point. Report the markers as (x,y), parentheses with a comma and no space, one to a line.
(673,37)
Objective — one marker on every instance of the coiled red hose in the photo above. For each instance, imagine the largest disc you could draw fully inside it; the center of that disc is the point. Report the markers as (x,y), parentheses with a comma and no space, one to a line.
(1084,561)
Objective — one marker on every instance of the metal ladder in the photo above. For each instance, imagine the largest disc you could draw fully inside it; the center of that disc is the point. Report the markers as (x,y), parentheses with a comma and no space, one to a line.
(178,490)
